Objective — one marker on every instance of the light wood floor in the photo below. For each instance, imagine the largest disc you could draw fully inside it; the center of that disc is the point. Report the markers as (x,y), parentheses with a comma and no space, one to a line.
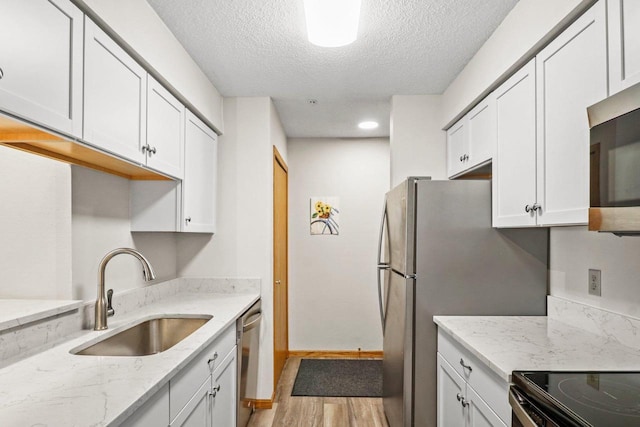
(316,411)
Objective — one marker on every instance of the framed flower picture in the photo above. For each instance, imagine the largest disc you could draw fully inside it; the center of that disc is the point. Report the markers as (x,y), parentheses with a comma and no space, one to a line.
(325,216)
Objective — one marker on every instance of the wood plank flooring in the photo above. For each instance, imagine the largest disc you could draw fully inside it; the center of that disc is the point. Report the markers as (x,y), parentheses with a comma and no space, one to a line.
(316,411)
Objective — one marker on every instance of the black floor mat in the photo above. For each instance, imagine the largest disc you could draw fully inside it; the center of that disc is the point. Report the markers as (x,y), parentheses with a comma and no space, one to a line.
(339,378)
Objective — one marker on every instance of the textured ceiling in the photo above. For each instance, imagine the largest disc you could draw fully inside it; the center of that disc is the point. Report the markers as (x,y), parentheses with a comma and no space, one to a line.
(260,48)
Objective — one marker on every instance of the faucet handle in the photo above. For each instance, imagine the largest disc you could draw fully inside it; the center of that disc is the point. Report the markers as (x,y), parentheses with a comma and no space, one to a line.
(110,310)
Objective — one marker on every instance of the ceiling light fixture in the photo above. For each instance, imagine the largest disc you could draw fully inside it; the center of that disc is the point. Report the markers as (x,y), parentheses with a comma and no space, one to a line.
(368,125)
(332,23)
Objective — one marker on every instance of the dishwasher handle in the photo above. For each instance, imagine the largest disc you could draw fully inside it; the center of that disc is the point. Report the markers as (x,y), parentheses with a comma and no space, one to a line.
(252,321)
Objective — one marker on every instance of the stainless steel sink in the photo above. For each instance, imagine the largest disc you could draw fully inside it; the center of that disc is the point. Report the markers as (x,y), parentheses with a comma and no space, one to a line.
(150,337)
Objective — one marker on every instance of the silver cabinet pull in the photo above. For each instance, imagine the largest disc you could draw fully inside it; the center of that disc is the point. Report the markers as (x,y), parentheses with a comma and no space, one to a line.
(145,148)
(536,207)
(1,73)
(187,219)
(462,158)
(465,366)
(527,209)
(152,150)
(212,359)
(215,391)
(462,400)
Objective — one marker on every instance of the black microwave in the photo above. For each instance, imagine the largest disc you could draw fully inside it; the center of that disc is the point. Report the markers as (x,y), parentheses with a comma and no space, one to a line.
(614,153)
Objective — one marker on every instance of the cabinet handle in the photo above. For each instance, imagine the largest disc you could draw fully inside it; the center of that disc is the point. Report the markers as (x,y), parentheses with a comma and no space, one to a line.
(1,73)
(214,392)
(527,209)
(462,400)
(465,366)
(152,150)
(462,158)
(187,219)
(466,157)
(215,356)
(536,208)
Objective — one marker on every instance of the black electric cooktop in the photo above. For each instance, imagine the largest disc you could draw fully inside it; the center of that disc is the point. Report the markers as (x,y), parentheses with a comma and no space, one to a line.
(590,399)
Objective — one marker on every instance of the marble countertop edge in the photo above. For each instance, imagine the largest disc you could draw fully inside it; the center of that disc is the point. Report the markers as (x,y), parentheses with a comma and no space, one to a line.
(20,312)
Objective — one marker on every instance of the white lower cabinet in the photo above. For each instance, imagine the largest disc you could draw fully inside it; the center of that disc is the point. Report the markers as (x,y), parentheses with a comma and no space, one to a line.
(469,394)
(202,394)
(155,412)
(223,401)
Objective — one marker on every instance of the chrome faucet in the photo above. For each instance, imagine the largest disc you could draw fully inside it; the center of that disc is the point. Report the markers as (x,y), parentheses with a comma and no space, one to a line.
(101,310)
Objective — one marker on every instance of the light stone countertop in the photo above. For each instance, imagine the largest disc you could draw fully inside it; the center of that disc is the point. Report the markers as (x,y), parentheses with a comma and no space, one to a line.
(508,343)
(56,388)
(17,312)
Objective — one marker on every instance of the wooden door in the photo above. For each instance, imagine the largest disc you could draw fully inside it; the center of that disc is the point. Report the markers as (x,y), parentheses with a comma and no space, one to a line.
(280,263)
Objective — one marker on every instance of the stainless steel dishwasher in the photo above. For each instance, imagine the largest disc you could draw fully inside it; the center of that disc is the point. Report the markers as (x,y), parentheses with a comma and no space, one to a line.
(248,334)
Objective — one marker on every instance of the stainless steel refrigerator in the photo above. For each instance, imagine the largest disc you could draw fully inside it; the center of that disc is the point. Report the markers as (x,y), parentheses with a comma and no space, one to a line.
(440,256)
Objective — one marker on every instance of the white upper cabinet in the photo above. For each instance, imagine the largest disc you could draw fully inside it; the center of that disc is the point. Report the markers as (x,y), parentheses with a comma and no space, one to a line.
(457,148)
(481,124)
(571,75)
(471,140)
(624,44)
(514,165)
(41,63)
(115,97)
(165,130)
(199,183)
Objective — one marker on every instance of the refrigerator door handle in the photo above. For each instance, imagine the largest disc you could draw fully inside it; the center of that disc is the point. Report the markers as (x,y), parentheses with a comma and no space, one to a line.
(382,266)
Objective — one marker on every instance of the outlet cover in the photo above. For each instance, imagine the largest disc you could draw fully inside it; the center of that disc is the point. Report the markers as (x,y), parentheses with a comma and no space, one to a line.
(595,283)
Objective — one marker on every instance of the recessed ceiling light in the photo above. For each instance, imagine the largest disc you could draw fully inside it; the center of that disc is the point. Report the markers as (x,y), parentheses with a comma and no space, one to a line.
(332,23)
(368,125)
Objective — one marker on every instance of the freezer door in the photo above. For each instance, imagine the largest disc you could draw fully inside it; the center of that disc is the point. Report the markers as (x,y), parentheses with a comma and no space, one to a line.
(397,371)
(396,211)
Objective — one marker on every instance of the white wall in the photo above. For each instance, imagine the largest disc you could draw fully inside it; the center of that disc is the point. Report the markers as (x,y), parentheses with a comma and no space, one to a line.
(333,301)
(100,223)
(138,26)
(418,145)
(528,27)
(243,244)
(58,221)
(574,250)
(35,227)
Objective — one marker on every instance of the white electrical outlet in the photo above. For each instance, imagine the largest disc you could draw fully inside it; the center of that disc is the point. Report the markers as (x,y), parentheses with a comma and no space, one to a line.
(595,283)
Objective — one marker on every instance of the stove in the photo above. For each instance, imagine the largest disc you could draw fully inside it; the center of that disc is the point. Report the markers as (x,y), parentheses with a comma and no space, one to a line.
(575,399)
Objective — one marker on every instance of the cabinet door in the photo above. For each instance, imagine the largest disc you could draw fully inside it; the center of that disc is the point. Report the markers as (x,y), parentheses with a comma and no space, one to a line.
(481,124)
(479,414)
(571,75)
(199,184)
(514,165)
(224,392)
(155,412)
(41,63)
(457,148)
(197,412)
(165,130)
(624,44)
(114,97)
(451,388)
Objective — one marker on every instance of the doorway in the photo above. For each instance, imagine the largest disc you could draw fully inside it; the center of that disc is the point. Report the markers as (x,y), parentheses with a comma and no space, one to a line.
(280,265)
